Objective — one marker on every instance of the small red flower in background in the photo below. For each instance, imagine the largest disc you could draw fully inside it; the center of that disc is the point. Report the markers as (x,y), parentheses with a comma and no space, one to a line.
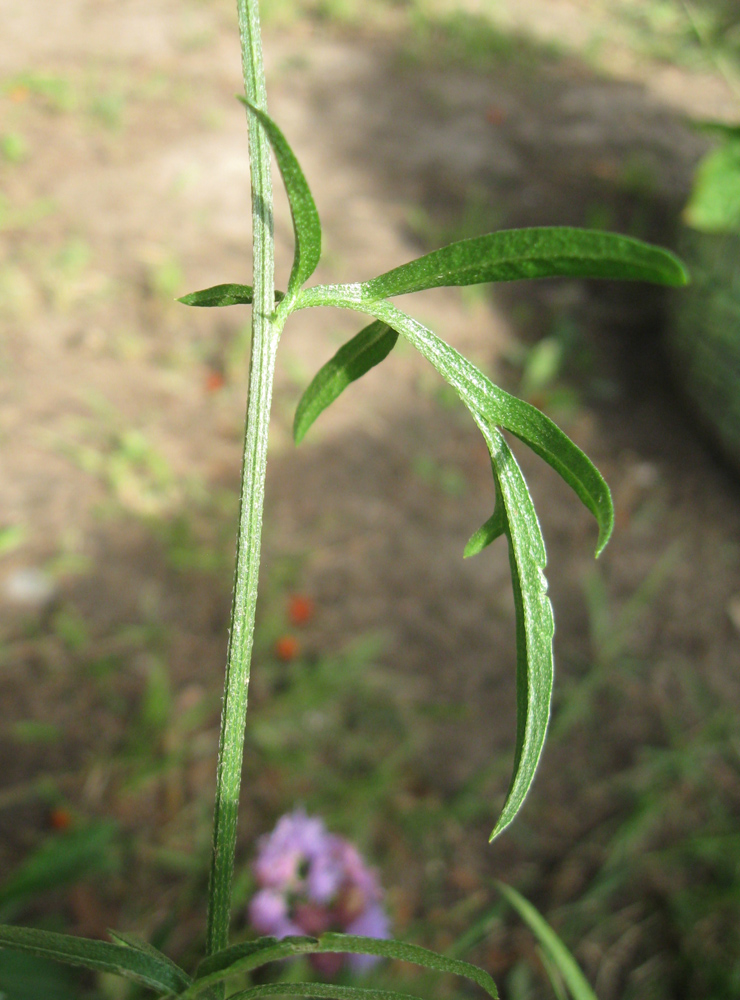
(60,818)
(287,648)
(300,609)
(495,115)
(214,381)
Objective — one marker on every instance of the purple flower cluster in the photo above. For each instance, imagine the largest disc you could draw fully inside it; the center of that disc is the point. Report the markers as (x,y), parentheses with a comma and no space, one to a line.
(313,881)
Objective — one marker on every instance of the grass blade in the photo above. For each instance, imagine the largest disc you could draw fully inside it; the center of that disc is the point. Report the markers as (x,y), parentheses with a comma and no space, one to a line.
(246,957)
(551,945)
(547,252)
(534,621)
(306,224)
(365,350)
(131,963)
(223,295)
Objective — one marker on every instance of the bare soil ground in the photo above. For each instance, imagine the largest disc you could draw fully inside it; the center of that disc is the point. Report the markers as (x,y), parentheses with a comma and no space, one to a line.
(121,411)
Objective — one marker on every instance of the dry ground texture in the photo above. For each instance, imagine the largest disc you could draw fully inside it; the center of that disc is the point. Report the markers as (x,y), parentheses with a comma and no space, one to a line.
(123,183)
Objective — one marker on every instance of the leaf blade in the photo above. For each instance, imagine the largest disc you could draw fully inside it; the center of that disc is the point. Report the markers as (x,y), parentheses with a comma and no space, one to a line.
(552,945)
(364,351)
(306,224)
(223,295)
(101,956)
(332,991)
(248,956)
(131,941)
(535,624)
(252,954)
(543,252)
(488,532)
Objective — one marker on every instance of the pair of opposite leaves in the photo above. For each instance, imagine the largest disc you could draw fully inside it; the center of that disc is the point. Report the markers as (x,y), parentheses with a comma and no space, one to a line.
(501,256)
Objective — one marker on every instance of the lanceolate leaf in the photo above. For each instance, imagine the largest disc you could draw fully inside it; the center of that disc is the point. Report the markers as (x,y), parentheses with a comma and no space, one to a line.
(223,295)
(551,944)
(352,360)
(497,407)
(531,253)
(247,956)
(140,966)
(252,954)
(306,225)
(534,621)
(131,941)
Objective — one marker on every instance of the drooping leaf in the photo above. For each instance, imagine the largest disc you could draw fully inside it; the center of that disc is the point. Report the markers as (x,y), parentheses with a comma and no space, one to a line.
(512,254)
(306,224)
(102,956)
(253,954)
(365,350)
(534,621)
(223,295)
(499,408)
(551,944)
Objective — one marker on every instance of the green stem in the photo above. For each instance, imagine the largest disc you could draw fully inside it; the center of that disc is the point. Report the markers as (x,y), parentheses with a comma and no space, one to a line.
(265,336)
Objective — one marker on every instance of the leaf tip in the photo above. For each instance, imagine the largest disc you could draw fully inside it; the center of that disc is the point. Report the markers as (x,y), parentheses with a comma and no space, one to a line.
(498,829)
(606,527)
(681,274)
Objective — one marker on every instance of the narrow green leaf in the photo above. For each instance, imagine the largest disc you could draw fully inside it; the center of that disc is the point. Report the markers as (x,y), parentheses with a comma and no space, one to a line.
(331,991)
(404,952)
(553,974)
(512,254)
(493,528)
(224,295)
(131,941)
(306,225)
(551,944)
(497,407)
(145,969)
(534,621)
(365,350)
(246,957)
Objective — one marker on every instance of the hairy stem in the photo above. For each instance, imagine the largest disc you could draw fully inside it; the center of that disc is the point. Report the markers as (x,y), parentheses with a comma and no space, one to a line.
(265,336)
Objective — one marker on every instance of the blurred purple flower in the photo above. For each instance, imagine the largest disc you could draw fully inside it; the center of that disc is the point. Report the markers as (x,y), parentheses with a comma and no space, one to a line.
(311,881)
